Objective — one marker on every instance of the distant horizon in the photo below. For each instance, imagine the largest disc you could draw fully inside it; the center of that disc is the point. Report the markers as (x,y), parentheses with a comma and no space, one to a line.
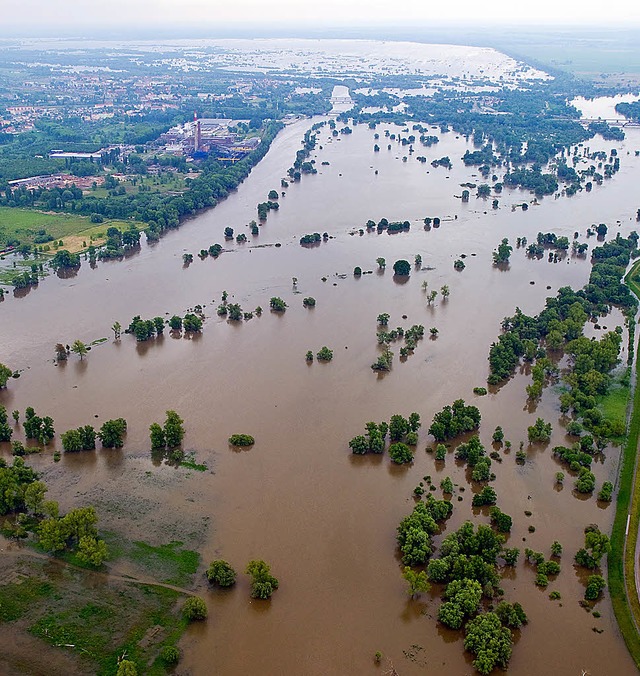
(244,30)
(191,18)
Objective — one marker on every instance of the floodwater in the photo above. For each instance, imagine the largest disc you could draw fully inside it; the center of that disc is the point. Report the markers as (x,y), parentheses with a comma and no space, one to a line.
(603,106)
(324,519)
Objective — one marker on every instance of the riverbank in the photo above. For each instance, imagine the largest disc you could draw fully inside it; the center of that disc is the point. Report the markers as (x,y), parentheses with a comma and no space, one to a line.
(76,232)
(624,535)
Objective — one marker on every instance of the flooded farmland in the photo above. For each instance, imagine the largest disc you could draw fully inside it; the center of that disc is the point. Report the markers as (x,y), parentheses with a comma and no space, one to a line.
(324,519)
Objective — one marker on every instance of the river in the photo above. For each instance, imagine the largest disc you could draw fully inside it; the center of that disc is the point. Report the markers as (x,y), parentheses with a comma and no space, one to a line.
(324,519)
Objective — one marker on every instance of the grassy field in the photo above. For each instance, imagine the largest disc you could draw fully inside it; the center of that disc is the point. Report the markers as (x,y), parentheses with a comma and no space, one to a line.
(152,184)
(621,559)
(614,404)
(586,51)
(169,563)
(622,589)
(76,232)
(93,624)
(92,620)
(16,265)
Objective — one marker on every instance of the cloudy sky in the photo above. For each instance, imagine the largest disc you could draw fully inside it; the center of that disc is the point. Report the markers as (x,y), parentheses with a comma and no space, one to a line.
(66,16)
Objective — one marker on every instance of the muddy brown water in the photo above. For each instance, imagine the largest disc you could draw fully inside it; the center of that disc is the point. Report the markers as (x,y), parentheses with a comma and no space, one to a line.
(323,519)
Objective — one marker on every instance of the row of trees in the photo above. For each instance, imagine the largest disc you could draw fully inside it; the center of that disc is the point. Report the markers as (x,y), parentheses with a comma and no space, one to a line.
(403,433)
(560,325)
(263,583)
(161,211)
(5,374)
(23,494)
(167,438)
(145,329)
(111,433)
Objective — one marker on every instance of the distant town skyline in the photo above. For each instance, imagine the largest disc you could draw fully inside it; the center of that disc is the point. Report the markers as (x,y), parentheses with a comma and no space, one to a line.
(42,16)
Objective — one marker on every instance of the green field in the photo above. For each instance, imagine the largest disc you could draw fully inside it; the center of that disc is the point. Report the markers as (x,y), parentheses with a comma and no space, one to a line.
(95,620)
(614,404)
(621,559)
(170,563)
(24,225)
(152,184)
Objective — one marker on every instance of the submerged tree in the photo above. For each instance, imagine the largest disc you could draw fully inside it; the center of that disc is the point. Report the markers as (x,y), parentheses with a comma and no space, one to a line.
(221,573)
(263,584)
(402,268)
(502,253)
(418,581)
(79,348)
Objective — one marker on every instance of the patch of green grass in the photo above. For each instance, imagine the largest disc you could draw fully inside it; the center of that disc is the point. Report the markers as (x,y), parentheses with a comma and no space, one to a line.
(88,628)
(189,461)
(621,560)
(114,622)
(16,265)
(68,556)
(167,563)
(632,278)
(16,599)
(576,51)
(152,184)
(614,404)
(24,225)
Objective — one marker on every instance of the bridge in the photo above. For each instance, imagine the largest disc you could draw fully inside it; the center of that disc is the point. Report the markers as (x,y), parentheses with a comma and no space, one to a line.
(616,121)
(610,120)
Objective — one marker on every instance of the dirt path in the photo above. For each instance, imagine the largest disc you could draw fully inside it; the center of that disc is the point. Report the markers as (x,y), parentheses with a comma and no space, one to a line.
(16,551)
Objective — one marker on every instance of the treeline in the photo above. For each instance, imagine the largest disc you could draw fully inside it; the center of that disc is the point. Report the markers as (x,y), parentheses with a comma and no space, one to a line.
(161,211)
(27,154)
(560,326)
(533,180)
(145,329)
(630,110)
(524,126)
(23,495)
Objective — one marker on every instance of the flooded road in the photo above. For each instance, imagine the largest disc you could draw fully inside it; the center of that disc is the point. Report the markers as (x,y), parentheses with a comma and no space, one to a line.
(323,519)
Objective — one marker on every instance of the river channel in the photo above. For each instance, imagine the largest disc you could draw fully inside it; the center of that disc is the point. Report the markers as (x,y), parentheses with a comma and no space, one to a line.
(324,519)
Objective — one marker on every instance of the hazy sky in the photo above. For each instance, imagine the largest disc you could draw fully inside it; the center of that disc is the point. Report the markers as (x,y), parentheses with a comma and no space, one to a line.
(65,16)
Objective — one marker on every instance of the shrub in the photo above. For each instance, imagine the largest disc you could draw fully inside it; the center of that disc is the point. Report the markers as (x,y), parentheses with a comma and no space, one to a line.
(400,453)
(112,432)
(263,584)
(170,655)
(586,481)
(595,585)
(221,573)
(277,304)
(500,520)
(540,431)
(194,609)
(359,445)
(487,496)
(454,420)
(510,556)
(447,485)
(325,354)
(241,440)
(606,491)
(412,438)
(127,668)
(402,268)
